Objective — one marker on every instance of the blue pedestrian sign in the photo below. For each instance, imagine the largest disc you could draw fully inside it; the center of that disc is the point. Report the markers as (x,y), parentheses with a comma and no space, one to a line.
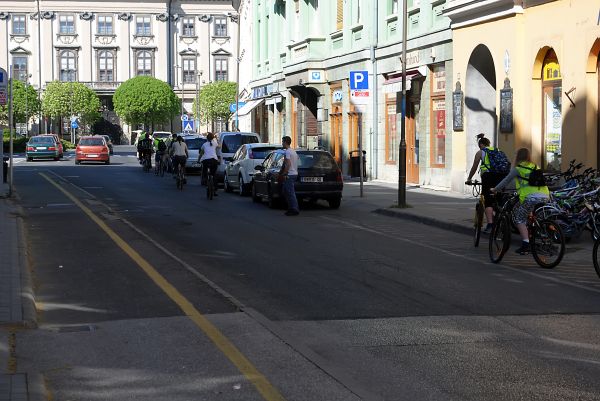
(74,124)
(188,126)
(359,80)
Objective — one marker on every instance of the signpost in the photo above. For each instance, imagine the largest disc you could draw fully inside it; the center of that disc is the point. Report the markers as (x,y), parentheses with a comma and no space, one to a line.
(360,96)
(188,126)
(3,101)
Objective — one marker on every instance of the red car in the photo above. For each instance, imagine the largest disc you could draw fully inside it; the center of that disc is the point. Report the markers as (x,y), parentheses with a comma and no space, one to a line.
(92,149)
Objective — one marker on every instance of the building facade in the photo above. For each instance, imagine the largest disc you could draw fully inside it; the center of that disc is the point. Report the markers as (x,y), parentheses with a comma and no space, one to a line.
(185,43)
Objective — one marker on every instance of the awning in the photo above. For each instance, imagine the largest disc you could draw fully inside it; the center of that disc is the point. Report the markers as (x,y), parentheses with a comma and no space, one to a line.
(249,106)
(274,100)
(394,85)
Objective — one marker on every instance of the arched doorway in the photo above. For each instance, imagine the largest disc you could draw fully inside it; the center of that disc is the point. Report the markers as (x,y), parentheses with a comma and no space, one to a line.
(336,133)
(305,132)
(551,112)
(480,99)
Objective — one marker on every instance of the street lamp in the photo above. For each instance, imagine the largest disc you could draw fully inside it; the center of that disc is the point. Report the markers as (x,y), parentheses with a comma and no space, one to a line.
(70,73)
(177,67)
(25,79)
(197,112)
(402,155)
(235,18)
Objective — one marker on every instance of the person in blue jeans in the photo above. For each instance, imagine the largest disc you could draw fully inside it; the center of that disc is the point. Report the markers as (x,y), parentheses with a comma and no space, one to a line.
(290,173)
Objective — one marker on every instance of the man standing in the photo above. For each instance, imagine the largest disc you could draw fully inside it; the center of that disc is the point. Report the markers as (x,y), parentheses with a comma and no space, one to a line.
(289,171)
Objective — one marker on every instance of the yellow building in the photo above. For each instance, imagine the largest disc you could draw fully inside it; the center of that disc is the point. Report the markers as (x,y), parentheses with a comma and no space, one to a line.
(545,53)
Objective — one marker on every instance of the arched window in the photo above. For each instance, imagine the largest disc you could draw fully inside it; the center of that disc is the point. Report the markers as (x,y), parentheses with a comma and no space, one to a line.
(552,112)
(106,61)
(68,67)
(144,63)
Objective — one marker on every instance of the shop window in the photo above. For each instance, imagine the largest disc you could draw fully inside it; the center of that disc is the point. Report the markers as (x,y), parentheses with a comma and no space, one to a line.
(552,112)
(438,117)
(391,133)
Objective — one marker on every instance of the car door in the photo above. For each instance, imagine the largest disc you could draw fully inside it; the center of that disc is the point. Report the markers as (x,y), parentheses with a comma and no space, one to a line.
(260,177)
(231,169)
(272,174)
(235,170)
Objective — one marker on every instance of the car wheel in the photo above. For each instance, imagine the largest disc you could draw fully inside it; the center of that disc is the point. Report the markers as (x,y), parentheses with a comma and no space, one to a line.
(107,162)
(226,185)
(334,203)
(56,158)
(77,161)
(30,159)
(242,188)
(255,197)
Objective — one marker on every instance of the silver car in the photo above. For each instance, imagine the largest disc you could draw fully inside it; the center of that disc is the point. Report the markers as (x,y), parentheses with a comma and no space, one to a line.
(240,171)
(194,142)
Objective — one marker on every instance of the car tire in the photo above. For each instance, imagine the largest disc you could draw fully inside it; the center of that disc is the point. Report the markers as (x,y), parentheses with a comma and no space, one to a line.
(334,203)
(226,185)
(243,187)
(77,161)
(30,159)
(255,197)
(56,158)
(107,162)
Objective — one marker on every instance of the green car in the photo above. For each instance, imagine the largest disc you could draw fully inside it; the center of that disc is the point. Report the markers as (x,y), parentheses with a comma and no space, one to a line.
(42,147)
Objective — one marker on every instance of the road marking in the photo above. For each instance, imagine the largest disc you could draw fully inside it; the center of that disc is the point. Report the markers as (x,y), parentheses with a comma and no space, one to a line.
(266,389)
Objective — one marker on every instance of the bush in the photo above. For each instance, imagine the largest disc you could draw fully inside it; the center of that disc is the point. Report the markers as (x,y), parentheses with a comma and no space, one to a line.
(18,144)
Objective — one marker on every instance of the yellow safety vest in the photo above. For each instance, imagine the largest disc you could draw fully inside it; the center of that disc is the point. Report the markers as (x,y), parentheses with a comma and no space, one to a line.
(522,183)
(485,163)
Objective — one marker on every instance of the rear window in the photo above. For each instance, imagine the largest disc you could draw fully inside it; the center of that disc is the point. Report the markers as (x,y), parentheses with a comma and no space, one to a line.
(91,142)
(261,153)
(317,160)
(195,143)
(42,139)
(157,135)
(231,143)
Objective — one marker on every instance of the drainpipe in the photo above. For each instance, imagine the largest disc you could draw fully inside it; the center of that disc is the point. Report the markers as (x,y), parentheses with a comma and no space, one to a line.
(375,120)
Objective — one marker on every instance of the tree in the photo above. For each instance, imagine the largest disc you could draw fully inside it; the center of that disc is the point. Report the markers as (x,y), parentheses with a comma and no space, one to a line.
(145,100)
(65,99)
(215,99)
(25,104)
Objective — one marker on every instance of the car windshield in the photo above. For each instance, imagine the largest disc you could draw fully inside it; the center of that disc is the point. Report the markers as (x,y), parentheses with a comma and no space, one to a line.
(316,160)
(42,139)
(195,143)
(161,135)
(231,143)
(91,142)
(262,152)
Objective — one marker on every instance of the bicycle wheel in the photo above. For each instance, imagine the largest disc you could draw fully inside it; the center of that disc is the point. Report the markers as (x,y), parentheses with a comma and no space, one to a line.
(596,257)
(478,223)
(548,243)
(163,168)
(499,238)
(210,189)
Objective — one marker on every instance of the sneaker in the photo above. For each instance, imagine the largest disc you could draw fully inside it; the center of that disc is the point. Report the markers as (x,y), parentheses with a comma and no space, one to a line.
(292,213)
(523,249)
(487,229)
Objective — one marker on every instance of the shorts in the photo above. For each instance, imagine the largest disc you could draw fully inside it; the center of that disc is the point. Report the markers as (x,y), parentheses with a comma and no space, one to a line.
(522,210)
(490,180)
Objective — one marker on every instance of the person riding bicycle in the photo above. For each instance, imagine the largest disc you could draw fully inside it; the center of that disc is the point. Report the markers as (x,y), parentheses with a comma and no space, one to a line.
(169,142)
(529,194)
(491,175)
(160,148)
(145,148)
(209,157)
(180,154)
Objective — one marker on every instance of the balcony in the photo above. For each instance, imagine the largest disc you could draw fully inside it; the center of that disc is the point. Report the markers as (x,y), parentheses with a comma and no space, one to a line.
(103,87)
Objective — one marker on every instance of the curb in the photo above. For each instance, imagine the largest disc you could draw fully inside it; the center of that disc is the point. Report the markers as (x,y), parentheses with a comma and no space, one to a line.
(36,387)
(430,221)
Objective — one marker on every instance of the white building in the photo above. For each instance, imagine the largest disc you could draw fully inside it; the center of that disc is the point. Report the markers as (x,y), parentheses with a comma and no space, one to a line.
(186,43)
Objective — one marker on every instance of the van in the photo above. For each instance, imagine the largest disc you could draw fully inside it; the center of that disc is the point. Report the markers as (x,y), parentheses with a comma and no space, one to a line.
(230,142)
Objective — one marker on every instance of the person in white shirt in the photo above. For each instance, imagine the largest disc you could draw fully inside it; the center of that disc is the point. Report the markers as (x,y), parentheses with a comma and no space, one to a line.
(290,173)
(210,157)
(180,153)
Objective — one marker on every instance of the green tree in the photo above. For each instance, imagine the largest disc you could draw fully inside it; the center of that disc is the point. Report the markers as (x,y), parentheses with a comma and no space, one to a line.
(215,99)
(25,104)
(65,99)
(145,100)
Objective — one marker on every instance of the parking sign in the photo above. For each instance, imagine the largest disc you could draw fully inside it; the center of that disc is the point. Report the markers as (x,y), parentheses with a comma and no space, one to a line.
(359,80)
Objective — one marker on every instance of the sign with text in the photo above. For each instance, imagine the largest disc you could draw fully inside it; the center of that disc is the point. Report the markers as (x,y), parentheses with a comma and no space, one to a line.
(359,87)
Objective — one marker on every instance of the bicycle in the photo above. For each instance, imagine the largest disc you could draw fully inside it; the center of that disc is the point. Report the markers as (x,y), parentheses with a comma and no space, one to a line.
(479,210)
(180,177)
(146,162)
(210,184)
(159,167)
(595,256)
(546,239)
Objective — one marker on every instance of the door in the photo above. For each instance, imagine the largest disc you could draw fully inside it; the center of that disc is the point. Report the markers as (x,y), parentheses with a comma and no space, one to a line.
(336,135)
(412,143)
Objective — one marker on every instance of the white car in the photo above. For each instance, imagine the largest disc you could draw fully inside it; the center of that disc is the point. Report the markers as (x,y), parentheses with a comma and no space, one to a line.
(240,171)
(230,143)
(194,143)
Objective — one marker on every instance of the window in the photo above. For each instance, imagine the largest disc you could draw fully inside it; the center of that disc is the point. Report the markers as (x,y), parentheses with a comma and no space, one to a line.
(68,69)
(394,7)
(66,24)
(106,61)
(220,26)
(552,112)
(221,69)
(144,63)
(105,25)
(19,26)
(438,116)
(142,26)
(20,68)
(189,70)
(339,15)
(358,12)
(188,26)
(297,6)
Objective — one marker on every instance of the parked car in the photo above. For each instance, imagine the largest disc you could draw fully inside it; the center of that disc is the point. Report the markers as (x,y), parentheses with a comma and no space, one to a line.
(194,143)
(109,143)
(319,177)
(239,172)
(161,135)
(58,143)
(230,142)
(92,148)
(42,147)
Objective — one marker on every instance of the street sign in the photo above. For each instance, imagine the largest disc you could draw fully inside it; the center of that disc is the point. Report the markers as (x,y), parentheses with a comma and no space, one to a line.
(233,106)
(188,126)
(359,87)
(74,124)
(184,117)
(3,97)
(3,86)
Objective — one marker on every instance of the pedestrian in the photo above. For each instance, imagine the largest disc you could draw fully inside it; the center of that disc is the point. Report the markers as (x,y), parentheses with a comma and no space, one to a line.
(493,167)
(530,193)
(289,171)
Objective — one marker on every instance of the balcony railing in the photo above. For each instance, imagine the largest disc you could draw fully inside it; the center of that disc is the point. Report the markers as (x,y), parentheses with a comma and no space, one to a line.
(102,85)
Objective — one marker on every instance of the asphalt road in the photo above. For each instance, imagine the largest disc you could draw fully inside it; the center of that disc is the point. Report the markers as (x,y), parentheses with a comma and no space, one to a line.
(332,304)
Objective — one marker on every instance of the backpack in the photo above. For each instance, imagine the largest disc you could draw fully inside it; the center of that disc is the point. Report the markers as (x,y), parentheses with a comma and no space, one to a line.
(145,144)
(161,146)
(499,163)
(536,177)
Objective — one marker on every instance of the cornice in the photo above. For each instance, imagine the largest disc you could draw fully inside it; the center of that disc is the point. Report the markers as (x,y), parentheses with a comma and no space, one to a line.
(470,12)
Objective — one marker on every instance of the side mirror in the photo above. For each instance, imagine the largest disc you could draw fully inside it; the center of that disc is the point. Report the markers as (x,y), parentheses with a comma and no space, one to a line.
(259,168)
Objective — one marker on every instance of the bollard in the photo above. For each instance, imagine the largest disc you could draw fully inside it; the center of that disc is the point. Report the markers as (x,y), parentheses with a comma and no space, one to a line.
(4,168)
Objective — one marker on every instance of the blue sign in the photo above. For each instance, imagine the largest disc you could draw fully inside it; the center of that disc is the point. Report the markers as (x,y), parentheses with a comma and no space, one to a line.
(188,125)
(74,124)
(315,75)
(233,106)
(359,80)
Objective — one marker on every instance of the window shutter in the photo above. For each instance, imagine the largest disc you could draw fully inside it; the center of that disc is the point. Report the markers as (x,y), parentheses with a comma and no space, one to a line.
(340,15)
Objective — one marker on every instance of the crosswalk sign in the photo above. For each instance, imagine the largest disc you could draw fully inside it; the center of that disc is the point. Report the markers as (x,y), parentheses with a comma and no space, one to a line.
(188,125)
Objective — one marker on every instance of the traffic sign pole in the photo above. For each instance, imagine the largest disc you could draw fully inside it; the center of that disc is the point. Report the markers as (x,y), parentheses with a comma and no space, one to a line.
(10,129)
(3,99)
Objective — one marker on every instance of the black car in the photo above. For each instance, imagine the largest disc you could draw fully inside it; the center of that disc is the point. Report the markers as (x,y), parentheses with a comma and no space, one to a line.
(319,177)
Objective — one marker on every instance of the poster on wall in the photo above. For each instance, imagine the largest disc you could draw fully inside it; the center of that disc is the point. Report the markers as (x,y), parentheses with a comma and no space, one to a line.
(457,108)
(506,108)
(439,138)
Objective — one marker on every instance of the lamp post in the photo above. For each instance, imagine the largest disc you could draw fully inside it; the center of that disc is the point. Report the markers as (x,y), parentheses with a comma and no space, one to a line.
(402,155)
(26,104)
(197,110)
(177,68)
(235,18)
(70,73)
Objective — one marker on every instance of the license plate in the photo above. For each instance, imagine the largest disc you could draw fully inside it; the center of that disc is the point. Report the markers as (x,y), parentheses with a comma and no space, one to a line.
(311,179)
(92,155)
(40,148)
(194,164)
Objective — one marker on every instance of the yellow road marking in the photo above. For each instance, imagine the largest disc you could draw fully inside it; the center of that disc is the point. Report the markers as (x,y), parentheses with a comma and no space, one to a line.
(261,383)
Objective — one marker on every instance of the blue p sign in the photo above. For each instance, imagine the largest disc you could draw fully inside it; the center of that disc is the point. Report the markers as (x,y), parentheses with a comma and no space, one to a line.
(359,80)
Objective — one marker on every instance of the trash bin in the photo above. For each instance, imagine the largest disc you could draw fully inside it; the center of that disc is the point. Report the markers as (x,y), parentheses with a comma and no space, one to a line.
(355,164)
(4,168)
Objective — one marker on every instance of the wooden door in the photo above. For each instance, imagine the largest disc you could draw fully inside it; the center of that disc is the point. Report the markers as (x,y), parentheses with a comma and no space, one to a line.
(412,143)
(336,135)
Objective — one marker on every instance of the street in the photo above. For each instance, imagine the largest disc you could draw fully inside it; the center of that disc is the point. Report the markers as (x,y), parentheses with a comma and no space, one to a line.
(140,289)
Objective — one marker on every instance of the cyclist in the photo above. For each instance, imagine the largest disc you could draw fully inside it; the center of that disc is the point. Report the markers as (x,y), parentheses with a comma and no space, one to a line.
(160,148)
(210,157)
(169,142)
(489,178)
(529,195)
(179,152)
(145,148)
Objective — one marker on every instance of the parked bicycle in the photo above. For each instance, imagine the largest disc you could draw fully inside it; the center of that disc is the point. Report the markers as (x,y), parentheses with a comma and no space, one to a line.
(546,239)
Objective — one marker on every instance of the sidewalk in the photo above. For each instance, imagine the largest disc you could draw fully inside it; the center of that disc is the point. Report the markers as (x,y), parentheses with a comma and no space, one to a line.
(17,308)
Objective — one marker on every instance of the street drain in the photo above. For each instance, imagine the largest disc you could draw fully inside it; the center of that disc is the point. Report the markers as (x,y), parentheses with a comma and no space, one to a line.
(75,329)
